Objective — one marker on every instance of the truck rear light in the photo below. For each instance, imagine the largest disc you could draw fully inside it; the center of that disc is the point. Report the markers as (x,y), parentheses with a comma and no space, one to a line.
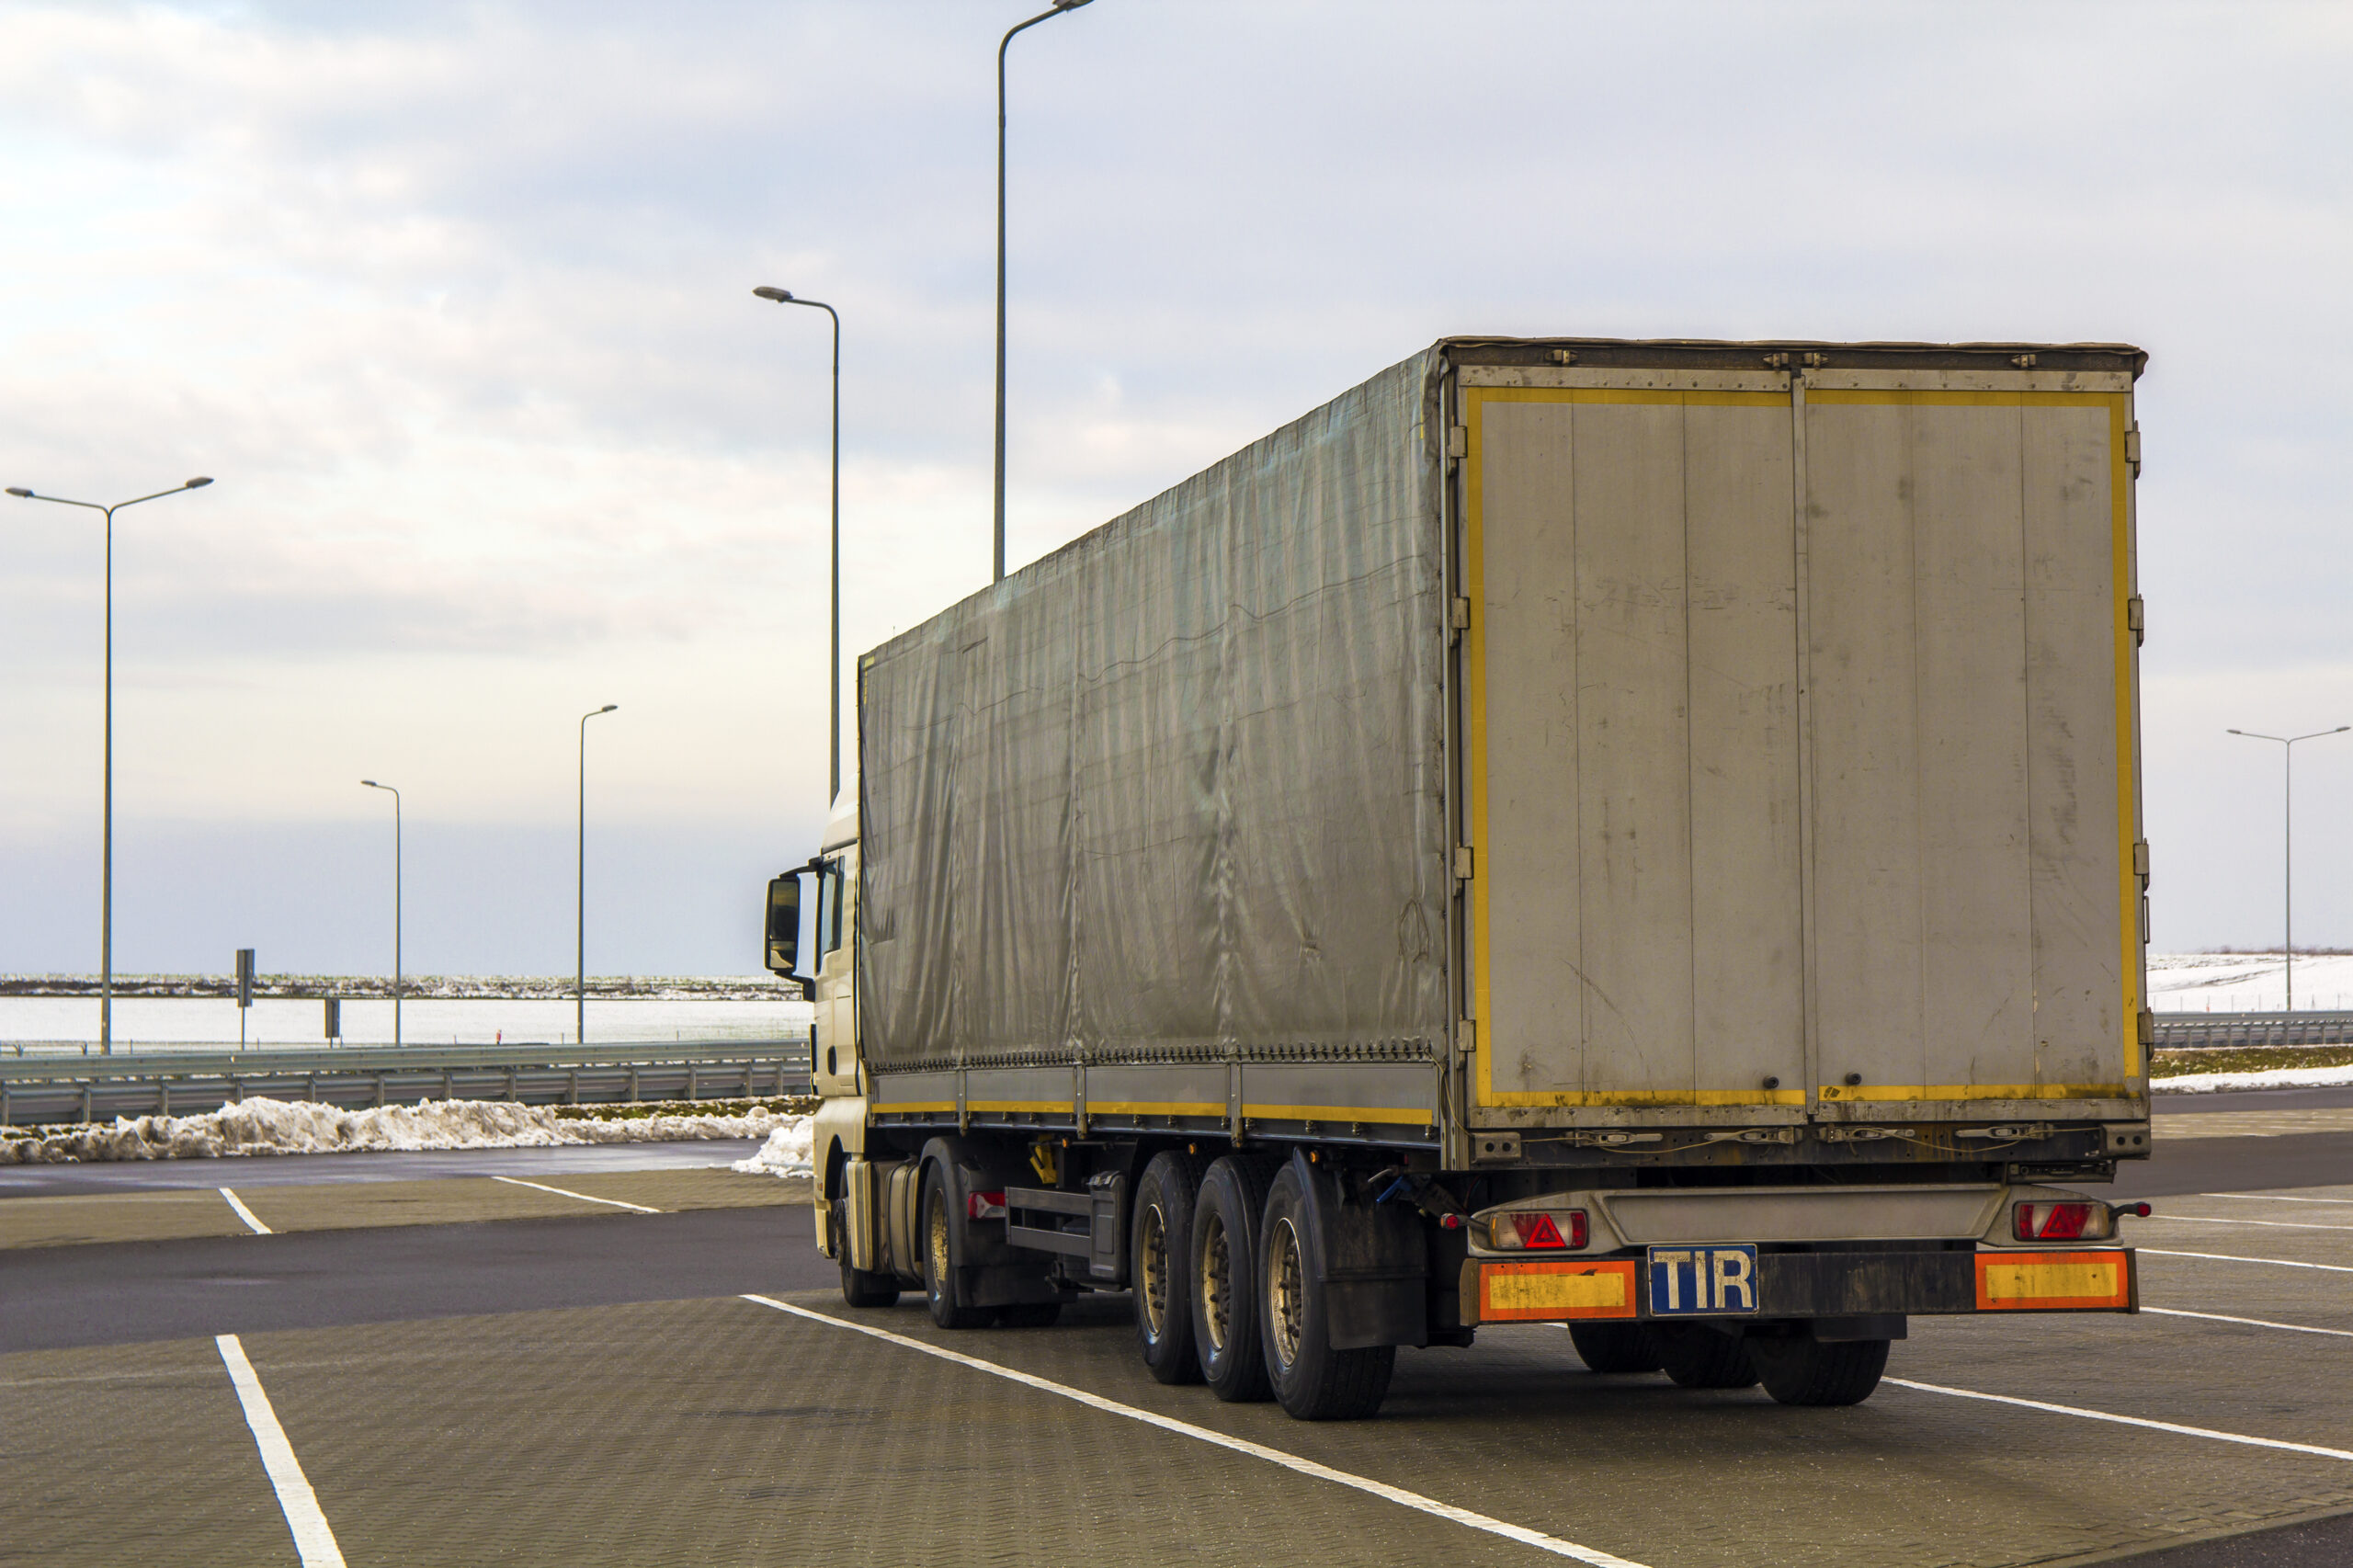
(986,1206)
(2078,1220)
(1537,1230)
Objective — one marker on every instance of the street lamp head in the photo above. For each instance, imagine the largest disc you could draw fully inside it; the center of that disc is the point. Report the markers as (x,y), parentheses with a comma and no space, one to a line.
(608,708)
(199,483)
(16,489)
(781,295)
(369,784)
(2237,732)
(1069,4)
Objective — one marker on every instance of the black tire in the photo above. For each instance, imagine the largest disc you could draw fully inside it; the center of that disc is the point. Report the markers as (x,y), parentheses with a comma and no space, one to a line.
(1029,1314)
(938,1273)
(1701,1358)
(1806,1371)
(1616,1346)
(1314,1382)
(860,1287)
(1159,1249)
(1225,1252)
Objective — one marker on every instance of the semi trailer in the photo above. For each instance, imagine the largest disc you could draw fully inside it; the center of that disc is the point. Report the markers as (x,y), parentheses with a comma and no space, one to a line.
(1641,836)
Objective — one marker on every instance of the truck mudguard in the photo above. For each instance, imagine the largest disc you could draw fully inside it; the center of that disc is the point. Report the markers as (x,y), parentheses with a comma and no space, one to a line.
(1373,1260)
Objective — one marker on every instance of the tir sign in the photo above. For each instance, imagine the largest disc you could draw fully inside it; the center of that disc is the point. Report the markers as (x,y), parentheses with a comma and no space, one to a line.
(1711,1281)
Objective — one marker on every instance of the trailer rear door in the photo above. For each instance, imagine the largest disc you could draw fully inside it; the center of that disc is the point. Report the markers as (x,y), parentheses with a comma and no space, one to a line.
(1765,796)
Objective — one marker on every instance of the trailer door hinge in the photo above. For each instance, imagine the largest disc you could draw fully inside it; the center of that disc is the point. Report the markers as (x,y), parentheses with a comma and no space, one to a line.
(1457,618)
(2141,860)
(2133,448)
(1466,1035)
(1458,442)
(2136,616)
(1463,862)
(2148,1027)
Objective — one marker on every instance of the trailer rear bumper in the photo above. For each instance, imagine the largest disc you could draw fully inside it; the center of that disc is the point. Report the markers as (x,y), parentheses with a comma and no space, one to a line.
(1807,1285)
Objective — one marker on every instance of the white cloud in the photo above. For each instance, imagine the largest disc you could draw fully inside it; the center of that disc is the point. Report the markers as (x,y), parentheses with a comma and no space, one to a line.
(454,301)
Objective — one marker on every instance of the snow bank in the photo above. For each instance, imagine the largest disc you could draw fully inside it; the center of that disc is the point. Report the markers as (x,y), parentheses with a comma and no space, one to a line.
(787,1151)
(261,1126)
(2272,1078)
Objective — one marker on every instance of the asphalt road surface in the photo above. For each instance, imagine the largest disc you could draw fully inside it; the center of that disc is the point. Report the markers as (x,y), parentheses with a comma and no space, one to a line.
(570,1378)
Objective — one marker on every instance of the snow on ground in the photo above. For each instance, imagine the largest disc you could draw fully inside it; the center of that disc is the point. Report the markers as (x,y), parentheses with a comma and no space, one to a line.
(787,1153)
(2247,983)
(147,1023)
(261,1126)
(2272,1078)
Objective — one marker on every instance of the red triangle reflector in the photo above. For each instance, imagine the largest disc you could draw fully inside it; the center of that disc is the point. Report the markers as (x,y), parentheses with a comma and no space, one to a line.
(1538,1231)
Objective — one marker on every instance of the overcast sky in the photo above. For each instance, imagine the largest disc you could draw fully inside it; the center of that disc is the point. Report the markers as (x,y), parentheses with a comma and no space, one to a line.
(454,303)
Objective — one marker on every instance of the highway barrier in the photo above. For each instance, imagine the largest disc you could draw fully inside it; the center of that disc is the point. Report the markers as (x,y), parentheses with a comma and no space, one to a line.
(35,1090)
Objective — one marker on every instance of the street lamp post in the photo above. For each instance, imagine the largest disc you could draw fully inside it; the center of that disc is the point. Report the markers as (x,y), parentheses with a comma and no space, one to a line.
(1060,6)
(834,685)
(106,896)
(2287,839)
(579,934)
(395,794)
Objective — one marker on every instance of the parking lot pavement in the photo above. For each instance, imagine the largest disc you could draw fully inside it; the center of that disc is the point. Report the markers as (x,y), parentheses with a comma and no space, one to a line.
(182,1212)
(600,1385)
(723,1430)
(389,1165)
(2169,1124)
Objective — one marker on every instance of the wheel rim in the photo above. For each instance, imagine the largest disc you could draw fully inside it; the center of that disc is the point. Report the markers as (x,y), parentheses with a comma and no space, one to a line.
(1217,1296)
(936,1280)
(1286,1292)
(1154,1267)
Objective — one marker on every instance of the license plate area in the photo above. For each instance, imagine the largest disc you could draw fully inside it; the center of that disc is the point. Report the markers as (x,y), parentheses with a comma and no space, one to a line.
(1701,1281)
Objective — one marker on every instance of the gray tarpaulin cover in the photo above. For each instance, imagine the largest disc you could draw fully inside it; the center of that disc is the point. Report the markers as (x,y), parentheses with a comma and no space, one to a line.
(1178,785)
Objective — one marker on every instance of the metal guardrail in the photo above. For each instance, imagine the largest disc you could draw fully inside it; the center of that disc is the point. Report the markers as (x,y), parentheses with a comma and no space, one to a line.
(98,1088)
(2218,1032)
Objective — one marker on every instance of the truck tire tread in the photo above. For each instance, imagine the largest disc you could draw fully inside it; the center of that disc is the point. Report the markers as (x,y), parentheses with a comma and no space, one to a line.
(1172,1180)
(938,1285)
(1233,1190)
(1700,1358)
(1805,1372)
(1616,1348)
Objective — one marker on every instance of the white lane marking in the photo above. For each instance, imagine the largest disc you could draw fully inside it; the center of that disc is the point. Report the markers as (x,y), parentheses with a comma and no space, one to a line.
(2228,1258)
(2131,1420)
(2252,1322)
(2274,1224)
(2274,1197)
(313,1538)
(561,1192)
(1380,1489)
(246,1214)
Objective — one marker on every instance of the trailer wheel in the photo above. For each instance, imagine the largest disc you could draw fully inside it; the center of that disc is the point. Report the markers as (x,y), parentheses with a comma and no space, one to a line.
(1315,1382)
(939,1269)
(860,1287)
(1806,1371)
(1159,1267)
(1225,1249)
(1616,1346)
(1702,1359)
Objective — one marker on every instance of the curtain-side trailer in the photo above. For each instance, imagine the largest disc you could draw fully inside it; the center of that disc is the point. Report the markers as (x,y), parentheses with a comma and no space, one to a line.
(1644,835)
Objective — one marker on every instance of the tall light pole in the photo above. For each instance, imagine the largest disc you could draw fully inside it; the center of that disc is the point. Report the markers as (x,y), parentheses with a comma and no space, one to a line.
(106,896)
(1060,6)
(2288,838)
(834,685)
(395,794)
(580,948)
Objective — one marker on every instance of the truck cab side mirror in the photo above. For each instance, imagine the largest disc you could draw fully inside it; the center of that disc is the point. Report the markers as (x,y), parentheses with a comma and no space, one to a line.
(784,932)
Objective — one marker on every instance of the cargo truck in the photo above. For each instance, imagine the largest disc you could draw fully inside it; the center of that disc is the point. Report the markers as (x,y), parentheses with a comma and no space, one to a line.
(1641,836)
